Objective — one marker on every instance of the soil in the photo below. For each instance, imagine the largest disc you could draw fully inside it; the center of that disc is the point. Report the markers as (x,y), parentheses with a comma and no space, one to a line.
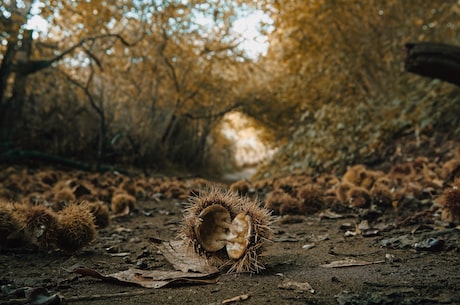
(399,274)
(406,255)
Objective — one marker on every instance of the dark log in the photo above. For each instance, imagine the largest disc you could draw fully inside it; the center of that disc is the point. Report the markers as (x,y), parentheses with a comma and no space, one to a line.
(16,155)
(435,60)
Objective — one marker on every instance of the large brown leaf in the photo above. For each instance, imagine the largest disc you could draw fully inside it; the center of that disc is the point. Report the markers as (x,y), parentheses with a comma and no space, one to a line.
(152,278)
(177,252)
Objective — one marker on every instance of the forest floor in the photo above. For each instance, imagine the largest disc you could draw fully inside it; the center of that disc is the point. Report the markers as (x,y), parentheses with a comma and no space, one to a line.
(396,273)
(405,256)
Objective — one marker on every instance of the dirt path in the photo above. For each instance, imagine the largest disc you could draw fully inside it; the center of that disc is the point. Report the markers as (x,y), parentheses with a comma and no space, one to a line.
(294,273)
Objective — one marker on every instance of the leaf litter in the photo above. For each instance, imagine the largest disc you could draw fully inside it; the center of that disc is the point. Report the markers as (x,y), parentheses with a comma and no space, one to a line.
(152,278)
(350,262)
(176,253)
(295,285)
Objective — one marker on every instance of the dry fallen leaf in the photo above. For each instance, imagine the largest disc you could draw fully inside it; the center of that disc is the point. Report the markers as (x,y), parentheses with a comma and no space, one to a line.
(152,278)
(41,296)
(328,214)
(122,230)
(238,298)
(31,295)
(176,252)
(308,246)
(294,285)
(120,254)
(350,262)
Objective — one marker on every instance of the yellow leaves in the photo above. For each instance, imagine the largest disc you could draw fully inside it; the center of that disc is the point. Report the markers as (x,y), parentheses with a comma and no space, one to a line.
(343,64)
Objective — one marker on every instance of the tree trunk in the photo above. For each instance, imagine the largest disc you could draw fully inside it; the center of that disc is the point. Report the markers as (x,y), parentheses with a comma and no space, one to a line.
(5,71)
(12,110)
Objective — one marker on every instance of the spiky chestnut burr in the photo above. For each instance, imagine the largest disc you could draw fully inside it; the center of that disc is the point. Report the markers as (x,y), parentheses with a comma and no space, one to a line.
(122,203)
(355,174)
(227,229)
(38,223)
(451,170)
(382,196)
(449,200)
(62,198)
(100,212)
(358,197)
(76,227)
(10,225)
(282,203)
(311,198)
(240,187)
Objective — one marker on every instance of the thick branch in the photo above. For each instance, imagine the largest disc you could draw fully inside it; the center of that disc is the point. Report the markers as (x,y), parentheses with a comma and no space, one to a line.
(33,66)
(85,89)
(20,155)
(169,64)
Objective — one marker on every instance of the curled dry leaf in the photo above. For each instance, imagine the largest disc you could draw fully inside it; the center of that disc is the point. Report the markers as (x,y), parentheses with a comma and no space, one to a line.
(328,214)
(308,246)
(238,298)
(294,285)
(177,253)
(41,296)
(350,262)
(152,278)
(430,244)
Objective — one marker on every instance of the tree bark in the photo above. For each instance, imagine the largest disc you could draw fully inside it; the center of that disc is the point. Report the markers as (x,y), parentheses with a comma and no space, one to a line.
(12,108)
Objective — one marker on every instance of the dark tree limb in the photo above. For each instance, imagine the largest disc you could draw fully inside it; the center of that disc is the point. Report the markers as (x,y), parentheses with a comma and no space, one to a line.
(15,155)
(33,66)
(98,108)
(435,60)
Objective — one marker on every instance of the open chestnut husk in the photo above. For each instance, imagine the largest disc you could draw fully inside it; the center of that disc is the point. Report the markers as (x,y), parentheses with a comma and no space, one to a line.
(230,231)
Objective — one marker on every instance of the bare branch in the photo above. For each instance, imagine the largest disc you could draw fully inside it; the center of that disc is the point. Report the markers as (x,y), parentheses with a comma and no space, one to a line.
(85,89)
(214,115)
(33,66)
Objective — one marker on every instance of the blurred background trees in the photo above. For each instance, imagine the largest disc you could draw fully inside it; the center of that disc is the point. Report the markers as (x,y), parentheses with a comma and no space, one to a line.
(342,63)
(174,83)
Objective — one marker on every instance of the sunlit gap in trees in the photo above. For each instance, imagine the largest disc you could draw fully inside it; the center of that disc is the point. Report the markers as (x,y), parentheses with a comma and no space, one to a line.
(254,41)
(249,30)
(36,22)
(243,146)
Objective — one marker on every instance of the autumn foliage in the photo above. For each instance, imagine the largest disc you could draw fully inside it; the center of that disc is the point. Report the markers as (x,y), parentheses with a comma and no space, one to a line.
(149,85)
(342,64)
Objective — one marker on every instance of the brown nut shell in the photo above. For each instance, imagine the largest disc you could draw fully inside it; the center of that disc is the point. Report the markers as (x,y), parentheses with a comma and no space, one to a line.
(233,239)
(211,229)
(238,245)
